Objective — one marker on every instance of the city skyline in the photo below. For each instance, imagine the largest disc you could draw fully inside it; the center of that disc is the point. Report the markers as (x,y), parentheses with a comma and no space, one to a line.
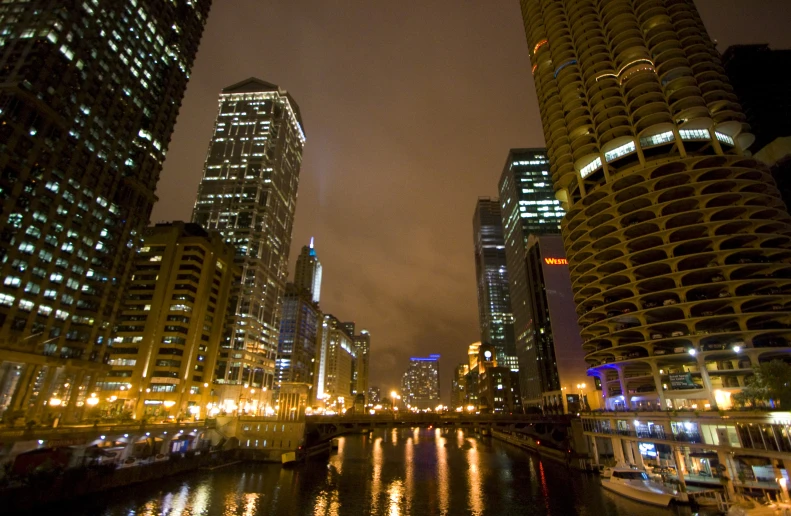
(329,201)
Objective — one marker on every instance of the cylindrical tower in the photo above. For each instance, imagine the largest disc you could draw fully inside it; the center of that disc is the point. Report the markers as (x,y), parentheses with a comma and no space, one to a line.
(678,243)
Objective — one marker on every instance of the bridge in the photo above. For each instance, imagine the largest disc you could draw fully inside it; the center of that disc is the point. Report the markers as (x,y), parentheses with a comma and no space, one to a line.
(551,429)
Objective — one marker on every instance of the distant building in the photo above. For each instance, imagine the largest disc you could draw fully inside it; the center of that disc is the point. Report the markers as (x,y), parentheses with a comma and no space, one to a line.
(307,275)
(171,324)
(420,383)
(89,94)
(297,343)
(249,194)
(458,395)
(374,395)
(553,361)
(362,349)
(335,366)
(496,320)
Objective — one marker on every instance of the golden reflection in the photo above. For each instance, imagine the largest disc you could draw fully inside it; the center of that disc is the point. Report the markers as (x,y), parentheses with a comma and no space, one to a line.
(327,503)
(376,479)
(231,509)
(443,482)
(201,499)
(337,457)
(250,504)
(416,435)
(395,492)
(474,480)
(394,437)
(409,487)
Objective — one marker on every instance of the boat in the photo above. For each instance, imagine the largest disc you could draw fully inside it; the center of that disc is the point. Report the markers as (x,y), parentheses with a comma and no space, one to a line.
(746,506)
(636,485)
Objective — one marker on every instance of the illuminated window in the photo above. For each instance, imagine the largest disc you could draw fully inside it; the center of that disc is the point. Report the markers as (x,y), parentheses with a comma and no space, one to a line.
(617,152)
(657,139)
(590,167)
(694,134)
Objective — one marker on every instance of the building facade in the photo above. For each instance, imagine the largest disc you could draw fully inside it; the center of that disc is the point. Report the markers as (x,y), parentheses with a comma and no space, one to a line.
(528,207)
(495,317)
(307,275)
(677,241)
(458,393)
(248,193)
(89,99)
(420,383)
(168,334)
(336,364)
(555,371)
(299,332)
(362,350)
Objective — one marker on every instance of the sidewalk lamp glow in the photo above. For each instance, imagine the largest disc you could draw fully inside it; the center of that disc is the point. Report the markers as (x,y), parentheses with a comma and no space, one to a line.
(55,402)
(93,400)
(470,408)
(168,403)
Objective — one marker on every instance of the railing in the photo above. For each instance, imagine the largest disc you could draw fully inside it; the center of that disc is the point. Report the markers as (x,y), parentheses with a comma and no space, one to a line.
(689,437)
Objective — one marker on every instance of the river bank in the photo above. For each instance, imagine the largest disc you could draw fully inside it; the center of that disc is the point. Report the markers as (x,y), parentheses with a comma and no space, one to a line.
(54,486)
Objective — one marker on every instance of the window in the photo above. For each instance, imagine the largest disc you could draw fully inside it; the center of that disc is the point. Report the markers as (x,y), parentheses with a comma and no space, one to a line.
(617,152)
(590,167)
(657,139)
(694,134)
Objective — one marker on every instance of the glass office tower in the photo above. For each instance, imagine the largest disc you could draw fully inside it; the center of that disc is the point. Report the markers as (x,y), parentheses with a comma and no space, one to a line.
(249,194)
(89,94)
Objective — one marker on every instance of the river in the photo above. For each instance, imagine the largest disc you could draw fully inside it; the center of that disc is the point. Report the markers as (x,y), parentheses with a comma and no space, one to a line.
(396,472)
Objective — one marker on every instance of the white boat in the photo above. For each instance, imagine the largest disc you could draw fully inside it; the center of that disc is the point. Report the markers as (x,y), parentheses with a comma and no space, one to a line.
(746,506)
(636,485)
(288,457)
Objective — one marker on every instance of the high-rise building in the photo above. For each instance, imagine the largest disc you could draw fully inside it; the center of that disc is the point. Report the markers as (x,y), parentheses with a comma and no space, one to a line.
(88,99)
(335,368)
(299,328)
(171,324)
(308,272)
(420,383)
(494,299)
(676,239)
(374,394)
(248,193)
(528,207)
(553,362)
(458,393)
(362,349)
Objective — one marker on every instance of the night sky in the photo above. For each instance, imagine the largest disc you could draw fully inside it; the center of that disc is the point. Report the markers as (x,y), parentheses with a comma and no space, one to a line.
(409,108)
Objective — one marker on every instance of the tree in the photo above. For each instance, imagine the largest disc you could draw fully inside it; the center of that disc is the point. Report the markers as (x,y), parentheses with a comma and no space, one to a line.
(771,381)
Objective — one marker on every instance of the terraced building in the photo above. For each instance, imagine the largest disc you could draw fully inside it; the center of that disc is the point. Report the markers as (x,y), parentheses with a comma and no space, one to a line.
(677,241)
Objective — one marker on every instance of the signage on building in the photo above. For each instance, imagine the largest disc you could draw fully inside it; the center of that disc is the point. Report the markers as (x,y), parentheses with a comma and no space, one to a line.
(556,261)
(153,402)
(681,381)
(158,379)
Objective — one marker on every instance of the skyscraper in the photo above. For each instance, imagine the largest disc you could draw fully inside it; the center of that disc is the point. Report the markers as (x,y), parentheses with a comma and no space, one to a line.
(171,324)
(88,100)
(554,361)
(299,328)
(335,368)
(676,239)
(248,193)
(494,298)
(308,272)
(458,393)
(420,383)
(528,207)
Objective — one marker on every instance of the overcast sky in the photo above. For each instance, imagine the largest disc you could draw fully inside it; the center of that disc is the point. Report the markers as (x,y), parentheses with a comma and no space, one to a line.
(409,108)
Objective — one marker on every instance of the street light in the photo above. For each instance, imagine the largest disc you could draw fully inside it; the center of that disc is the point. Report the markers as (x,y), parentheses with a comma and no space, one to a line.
(395,397)
(581,390)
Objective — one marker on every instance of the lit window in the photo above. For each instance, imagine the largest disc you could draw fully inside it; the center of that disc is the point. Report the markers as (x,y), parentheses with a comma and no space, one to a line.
(590,167)
(617,152)
(694,134)
(657,139)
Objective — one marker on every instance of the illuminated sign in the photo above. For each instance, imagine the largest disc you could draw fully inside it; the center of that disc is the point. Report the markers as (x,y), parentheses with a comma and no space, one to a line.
(556,261)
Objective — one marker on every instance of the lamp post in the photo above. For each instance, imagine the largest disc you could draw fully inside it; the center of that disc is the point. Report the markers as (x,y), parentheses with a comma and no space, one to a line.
(581,390)
(394,395)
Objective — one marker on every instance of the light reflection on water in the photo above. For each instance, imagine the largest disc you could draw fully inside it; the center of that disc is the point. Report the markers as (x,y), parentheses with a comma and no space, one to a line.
(405,472)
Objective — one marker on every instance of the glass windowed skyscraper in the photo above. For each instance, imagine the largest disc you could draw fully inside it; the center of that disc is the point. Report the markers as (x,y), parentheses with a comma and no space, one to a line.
(528,207)
(494,299)
(249,193)
(89,94)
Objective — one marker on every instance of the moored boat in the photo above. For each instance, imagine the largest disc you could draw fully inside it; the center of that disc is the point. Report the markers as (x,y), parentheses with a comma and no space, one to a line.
(288,458)
(636,485)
